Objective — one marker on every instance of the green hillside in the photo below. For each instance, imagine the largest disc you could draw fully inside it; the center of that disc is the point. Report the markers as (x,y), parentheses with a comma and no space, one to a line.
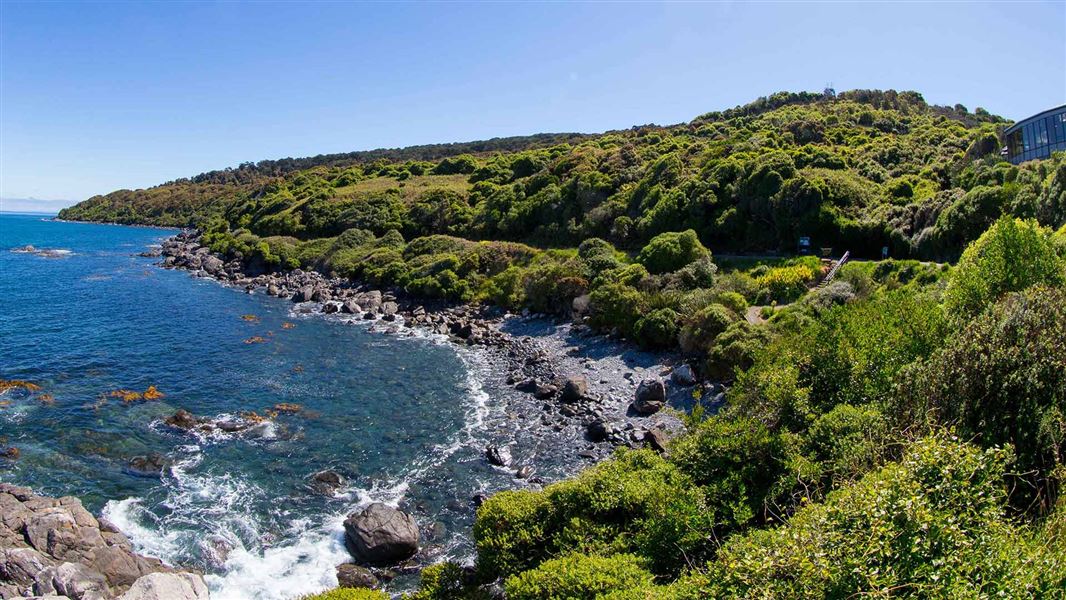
(860,170)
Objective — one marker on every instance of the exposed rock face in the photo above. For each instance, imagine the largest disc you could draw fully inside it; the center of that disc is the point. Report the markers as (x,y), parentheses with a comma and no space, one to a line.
(650,396)
(53,546)
(381,534)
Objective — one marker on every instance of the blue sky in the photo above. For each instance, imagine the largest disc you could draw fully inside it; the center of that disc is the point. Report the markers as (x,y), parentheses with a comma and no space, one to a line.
(95,97)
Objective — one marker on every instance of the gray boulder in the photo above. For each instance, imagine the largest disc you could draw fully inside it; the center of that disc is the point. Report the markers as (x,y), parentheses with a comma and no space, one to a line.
(381,534)
(498,455)
(211,264)
(168,586)
(650,397)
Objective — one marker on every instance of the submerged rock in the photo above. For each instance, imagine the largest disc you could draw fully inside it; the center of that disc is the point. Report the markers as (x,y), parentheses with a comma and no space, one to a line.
(381,534)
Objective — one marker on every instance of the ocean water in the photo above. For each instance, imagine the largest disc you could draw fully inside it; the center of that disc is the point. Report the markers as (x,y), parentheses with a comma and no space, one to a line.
(404,418)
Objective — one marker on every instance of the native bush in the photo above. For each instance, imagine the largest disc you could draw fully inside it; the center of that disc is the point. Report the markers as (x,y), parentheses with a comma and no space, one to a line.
(671,251)
(657,329)
(1001,381)
(701,328)
(1011,256)
(616,305)
(579,577)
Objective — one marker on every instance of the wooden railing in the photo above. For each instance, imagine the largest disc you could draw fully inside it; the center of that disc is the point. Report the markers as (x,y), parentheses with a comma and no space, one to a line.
(833,272)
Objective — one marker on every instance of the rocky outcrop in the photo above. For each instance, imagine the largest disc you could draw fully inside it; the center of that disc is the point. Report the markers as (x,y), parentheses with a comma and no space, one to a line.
(650,397)
(381,535)
(53,546)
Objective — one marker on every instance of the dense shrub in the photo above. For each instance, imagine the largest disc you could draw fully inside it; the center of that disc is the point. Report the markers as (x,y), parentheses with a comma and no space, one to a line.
(784,284)
(657,329)
(616,305)
(735,349)
(1011,256)
(700,329)
(1003,381)
(579,577)
(348,594)
(671,251)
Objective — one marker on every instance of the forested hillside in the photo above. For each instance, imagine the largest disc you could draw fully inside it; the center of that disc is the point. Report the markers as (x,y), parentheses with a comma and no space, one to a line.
(860,170)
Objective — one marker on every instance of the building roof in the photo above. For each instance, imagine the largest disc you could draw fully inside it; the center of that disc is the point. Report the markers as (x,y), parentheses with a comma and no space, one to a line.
(1047,112)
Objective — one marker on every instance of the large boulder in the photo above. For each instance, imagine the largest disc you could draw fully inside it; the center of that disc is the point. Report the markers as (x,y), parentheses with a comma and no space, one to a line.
(650,396)
(211,264)
(381,534)
(575,388)
(304,294)
(168,586)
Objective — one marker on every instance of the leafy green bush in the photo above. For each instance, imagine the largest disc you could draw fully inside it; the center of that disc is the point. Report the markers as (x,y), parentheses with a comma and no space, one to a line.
(1011,256)
(657,329)
(671,251)
(784,284)
(735,349)
(616,305)
(702,328)
(578,577)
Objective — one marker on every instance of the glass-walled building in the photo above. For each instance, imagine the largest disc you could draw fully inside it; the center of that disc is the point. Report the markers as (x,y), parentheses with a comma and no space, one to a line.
(1038,136)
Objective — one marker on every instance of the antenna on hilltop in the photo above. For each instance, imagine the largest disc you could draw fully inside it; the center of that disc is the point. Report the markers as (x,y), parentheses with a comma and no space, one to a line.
(829,92)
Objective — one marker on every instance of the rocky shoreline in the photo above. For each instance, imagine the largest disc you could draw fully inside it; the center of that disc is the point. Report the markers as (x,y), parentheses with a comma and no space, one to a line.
(54,548)
(568,395)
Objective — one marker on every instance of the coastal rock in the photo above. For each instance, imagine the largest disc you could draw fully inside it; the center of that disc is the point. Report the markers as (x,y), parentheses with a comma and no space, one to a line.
(598,430)
(381,534)
(211,264)
(168,586)
(326,482)
(351,575)
(55,546)
(150,465)
(498,455)
(683,375)
(574,389)
(389,308)
(650,396)
(182,419)
(351,308)
(304,294)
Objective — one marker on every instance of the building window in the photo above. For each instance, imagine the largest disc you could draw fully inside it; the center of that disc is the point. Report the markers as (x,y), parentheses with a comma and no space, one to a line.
(1041,133)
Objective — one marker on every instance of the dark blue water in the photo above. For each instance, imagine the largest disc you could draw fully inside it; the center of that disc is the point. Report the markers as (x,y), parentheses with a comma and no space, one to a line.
(405,419)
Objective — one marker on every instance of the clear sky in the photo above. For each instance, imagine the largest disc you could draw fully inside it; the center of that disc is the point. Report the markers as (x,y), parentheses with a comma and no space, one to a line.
(95,97)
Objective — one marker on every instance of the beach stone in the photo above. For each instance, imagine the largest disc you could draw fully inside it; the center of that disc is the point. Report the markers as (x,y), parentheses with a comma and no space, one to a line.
(351,575)
(389,308)
(655,439)
(575,388)
(683,375)
(350,307)
(650,396)
(168,586)
(598,430)
(381,534)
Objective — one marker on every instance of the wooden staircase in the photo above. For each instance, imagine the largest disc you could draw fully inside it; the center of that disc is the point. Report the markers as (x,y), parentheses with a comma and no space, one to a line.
(833,271)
